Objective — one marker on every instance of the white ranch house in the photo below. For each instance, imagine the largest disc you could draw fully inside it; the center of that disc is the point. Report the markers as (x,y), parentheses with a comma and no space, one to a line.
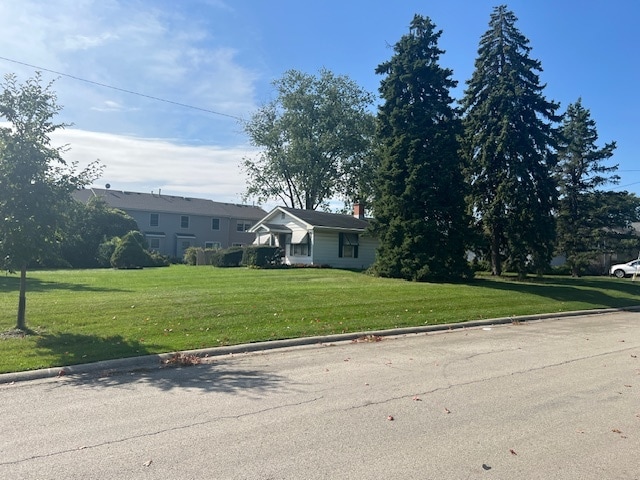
(309,237)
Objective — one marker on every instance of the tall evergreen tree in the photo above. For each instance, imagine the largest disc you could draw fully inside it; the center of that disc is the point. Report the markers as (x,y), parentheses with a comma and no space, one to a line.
(508,146)
(580,172)
(419,206)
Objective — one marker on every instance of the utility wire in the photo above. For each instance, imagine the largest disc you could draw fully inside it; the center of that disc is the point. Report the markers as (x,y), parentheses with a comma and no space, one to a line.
(124,90)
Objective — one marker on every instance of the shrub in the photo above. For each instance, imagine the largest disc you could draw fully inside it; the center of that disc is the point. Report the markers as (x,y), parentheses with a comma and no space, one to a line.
(131,253)
(105,251)
(191,255)
(230,257)
(261,256)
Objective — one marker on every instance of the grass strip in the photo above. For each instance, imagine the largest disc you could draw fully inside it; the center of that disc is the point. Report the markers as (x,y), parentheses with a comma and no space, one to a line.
(81,316)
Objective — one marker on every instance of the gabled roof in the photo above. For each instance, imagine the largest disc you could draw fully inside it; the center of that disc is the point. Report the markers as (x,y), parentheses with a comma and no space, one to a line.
(314,218)
(161,203)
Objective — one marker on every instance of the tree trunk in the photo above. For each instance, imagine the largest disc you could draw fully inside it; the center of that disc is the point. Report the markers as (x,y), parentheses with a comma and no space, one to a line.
(496,263)
(22,302)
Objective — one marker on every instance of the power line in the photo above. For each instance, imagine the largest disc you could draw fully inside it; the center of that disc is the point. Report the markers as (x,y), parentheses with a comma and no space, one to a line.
(151,97)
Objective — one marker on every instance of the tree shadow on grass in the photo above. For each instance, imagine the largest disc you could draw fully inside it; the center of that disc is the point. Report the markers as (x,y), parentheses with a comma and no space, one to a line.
(134,364)
(571,290)
(11,283)
(74,348)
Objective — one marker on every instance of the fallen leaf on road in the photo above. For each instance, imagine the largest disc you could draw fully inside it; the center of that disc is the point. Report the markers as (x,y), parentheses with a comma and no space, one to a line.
(615,430)
(390,418)
(486,467)
(446,410)
(513,452)
(417,399)
(147,463)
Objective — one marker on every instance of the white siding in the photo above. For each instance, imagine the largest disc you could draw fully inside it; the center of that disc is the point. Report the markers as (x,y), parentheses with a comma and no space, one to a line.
(325,251)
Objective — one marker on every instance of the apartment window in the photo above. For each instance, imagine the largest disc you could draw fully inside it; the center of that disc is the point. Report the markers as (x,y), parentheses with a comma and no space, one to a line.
(348,245)
(215,224)
(154,219)
(243,225)
(184,221)
(215,245)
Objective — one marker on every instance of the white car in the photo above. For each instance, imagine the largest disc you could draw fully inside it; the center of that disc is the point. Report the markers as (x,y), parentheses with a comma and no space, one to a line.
(622,270)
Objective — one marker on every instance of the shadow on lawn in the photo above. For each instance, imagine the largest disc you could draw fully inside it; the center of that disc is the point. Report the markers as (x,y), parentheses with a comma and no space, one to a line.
(212,375)
(571,290)
(11,283)
(73,348)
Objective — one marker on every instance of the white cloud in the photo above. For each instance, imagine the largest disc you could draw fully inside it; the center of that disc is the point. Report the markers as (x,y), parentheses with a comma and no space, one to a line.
(169,53)
(144,164)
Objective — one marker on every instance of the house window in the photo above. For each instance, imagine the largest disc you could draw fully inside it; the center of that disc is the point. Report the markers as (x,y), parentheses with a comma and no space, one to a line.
(215,245)
(154,243)
(299,249)
(348,245)
(154,219)
(215,224)
(184,221)
(243,225)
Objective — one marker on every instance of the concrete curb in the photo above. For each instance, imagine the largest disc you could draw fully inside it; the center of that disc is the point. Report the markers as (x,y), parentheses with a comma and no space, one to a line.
(152,362)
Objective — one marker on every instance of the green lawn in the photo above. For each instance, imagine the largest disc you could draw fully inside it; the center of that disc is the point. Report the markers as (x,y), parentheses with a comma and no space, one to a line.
(80,316)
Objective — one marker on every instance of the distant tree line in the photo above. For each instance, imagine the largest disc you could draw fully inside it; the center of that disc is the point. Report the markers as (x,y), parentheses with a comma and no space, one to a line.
(499,173)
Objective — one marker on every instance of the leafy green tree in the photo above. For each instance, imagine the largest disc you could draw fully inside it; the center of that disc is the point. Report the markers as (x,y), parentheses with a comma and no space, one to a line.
(419,208)
(580,172)
(508,145)
(88,226)
(35,182)
(315,141)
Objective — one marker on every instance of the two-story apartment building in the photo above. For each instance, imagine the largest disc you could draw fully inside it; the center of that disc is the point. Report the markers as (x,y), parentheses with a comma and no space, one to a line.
(171,224)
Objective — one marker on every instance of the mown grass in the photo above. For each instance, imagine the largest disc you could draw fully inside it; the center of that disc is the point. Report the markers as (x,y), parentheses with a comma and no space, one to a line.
(80,316)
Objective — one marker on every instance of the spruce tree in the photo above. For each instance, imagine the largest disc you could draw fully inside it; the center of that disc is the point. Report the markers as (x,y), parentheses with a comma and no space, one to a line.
(508,147)
(419,207)
(580,172)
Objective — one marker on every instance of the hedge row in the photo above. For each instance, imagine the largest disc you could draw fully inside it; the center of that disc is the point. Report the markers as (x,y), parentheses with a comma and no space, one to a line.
(260,256)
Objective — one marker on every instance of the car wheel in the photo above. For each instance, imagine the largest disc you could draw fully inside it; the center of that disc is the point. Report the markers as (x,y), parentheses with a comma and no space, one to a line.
(619,273)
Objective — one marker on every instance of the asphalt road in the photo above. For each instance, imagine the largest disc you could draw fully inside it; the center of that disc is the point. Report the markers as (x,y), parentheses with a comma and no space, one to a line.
(551,399)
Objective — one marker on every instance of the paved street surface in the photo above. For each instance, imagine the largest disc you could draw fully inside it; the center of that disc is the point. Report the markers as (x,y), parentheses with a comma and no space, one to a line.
(552,399)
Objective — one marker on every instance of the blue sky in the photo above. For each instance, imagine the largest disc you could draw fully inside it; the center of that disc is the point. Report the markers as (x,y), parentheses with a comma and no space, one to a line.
(222,55)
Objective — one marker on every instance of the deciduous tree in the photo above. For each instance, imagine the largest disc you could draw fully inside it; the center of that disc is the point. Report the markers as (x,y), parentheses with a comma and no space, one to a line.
(314,139)
(419,206)
(35,181)
(87,226)
(509,148)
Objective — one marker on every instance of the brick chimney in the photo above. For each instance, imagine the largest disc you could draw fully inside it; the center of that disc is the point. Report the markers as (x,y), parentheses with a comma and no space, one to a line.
(358,210)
